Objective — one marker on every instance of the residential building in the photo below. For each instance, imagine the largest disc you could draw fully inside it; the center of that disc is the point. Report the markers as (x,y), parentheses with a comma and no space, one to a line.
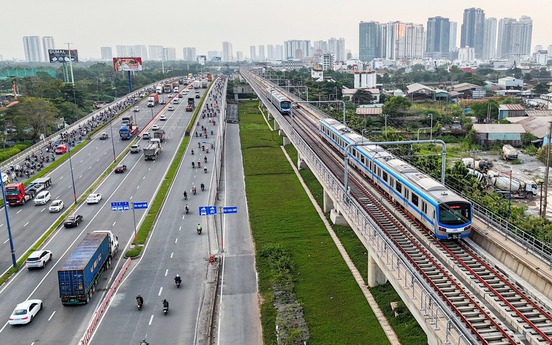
(438,37)
(364,79)
(107,53)
(262,56)
(489,43)
(213,55)
(336,46)
(297,49)
(466,54)
(514,37)
(47,43)
(169,54)
(155,52)
(189,54)
(253,53)
(369,43)
(279,52)
(473,28)
(33,48)
(328,60)
(239,56)
(227,53)
(270,52)
(453,36)
(402,40)
(541,57)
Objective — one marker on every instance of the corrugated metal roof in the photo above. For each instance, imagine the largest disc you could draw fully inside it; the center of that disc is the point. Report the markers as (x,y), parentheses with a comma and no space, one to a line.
(538,126)
(368,111)
(511,107)
(498,128)
(538,113)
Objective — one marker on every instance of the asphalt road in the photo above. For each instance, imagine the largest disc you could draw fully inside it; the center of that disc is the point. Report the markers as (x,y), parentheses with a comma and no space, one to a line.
(137,184)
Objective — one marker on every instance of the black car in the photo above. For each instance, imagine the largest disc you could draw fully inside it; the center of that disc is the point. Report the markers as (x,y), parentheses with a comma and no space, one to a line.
(119,169)
(72,221)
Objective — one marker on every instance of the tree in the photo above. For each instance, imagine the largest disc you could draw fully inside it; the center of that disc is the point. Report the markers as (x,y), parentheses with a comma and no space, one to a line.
(541,88)
(396,104)
(363,97)
(35,113)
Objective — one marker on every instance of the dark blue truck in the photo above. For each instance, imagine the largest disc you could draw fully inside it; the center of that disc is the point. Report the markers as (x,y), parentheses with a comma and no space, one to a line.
(83,269)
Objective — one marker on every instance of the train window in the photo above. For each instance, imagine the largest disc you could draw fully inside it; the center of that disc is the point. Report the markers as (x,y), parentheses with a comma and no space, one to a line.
(406,194)
(414,199)
(424,207)
(385,176)
(398,187)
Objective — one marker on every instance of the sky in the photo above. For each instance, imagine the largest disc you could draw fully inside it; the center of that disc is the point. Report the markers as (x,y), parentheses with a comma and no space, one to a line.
(89,25)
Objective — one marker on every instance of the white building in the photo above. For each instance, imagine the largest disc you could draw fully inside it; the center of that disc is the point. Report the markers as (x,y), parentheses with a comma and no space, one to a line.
(155,52)
(169,54)
(328,60)
(364,79)
(297,49)
(33,48)
(253,53)
(189,54)
(541,57)
(106,53)
(239,56)
(466,54)
(227,53)
(262,56)
(48,43)
(507,83)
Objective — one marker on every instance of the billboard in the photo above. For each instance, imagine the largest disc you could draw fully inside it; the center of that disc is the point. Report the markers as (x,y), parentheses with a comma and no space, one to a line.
(127,64)
(62,55)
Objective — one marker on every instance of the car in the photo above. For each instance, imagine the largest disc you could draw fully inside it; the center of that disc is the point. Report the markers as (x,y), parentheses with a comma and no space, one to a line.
(170,108)
(60,149)
(162,101)
(135,148)
(197,95)
(175,101)
(73,221)
(146,135)
(136,109)
(121,168)
(155,127)
(56,206)
(180,95)
(38,259)
(189,107)
(94,198)
(104,136)
(162,118)
(25,312)
(42,198)
(170,95)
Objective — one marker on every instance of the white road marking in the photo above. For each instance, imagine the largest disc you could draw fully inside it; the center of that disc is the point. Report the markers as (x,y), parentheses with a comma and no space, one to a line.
(166,272)
(51,316)
(26,224)
(176,241)
(113,224)
(180,228)
(19,211)
(172,254)
(6,241)
(160,291)
(151,319)
(61,177)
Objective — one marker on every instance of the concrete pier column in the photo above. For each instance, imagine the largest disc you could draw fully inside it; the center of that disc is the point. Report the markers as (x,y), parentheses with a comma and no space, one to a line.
(375,274)
(301,164)
(285,140)
(327,202)
(276,126)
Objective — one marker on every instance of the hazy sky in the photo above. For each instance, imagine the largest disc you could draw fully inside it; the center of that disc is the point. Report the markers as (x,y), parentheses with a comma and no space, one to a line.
(89,25)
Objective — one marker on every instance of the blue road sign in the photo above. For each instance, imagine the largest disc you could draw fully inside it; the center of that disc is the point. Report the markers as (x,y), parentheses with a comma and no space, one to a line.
(230,209)
(207,210)
(139,205)
(119,206)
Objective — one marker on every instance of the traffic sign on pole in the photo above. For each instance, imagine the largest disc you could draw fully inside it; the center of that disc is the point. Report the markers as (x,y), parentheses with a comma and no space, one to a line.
(207,210)
(140,205)
(229,209)
(120,206)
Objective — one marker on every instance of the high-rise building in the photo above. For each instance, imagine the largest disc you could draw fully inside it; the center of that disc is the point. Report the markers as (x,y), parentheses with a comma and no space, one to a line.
(297,49)
(227,53)
(453,36)
(107,53)
(514,37)
(262,56)
(328,61)
(155,52)
(320,47)
(270,52)
(438,37)
(473,28)
(489,43)
(336,46)
(213,55)
(401,40)
(369,42)
(48,43)
(189,54)
(169,54)
(33,48)
(279,52)
(253,53)
(239,56)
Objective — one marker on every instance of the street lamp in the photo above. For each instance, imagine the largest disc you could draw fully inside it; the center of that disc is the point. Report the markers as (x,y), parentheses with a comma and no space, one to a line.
(541,182)
(14,261)
(431,125)
(112,140)
(72,177)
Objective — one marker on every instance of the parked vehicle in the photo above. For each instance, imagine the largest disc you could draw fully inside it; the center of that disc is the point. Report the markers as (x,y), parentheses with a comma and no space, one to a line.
(83,269)
(38,259)
(73,221)
(509,152)
(509,186)
(25,312)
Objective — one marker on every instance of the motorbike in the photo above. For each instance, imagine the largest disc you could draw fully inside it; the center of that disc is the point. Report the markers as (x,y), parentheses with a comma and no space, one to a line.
(205,159)
(194,190)
(198,164)
(165,307)
(205,170)
(185,196)
(202,187)
(177,281)
(199,229)
(192,152)
(139,302)
(187,209)
(193,165)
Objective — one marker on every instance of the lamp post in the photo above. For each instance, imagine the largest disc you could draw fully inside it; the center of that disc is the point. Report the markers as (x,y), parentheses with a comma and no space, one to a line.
(540,182)
(72,177)
(14,261)
(112,140)
(431,125)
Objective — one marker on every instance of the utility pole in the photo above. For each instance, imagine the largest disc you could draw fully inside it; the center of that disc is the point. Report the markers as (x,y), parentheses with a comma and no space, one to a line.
(543,214)
(70,63)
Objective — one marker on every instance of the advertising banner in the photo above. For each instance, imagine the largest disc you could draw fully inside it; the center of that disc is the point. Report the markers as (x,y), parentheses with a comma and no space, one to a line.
(62,55)
(127,64)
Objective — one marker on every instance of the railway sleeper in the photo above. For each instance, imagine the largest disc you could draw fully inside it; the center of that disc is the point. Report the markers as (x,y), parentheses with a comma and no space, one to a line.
(482,325)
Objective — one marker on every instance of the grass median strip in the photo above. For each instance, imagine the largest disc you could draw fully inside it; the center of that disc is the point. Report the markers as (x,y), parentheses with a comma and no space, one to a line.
(283,220)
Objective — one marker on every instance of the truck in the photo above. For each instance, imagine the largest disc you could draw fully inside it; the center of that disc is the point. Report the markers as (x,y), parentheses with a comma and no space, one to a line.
(197,84)
(204,83)
(159,88)
(83,269)
(127,121)
(509,153)
(151,150)
(167,88)
(18,194)
(191,104)
(128,131)
(519,189)
(175,86)
(159,134)
(209,77)
(479,165)
(153,100)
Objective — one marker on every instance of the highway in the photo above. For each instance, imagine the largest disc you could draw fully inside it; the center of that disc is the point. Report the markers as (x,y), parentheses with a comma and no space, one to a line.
(139,183)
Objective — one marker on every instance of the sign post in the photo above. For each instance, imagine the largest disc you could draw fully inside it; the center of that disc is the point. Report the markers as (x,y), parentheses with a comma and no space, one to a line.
(125,206)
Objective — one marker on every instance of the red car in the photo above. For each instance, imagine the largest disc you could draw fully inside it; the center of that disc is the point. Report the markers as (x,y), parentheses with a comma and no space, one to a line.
(61,149)
(119,169)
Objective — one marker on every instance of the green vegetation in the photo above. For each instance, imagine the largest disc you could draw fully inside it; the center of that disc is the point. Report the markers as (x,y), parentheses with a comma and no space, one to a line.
(283,220)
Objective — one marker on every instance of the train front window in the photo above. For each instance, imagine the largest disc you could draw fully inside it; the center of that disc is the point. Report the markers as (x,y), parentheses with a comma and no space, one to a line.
(454,213)
(285,104)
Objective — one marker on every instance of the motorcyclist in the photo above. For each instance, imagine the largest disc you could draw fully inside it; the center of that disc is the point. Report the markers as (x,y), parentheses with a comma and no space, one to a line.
(185,195)
(205,170)
(192,152)
(139,300)
(194,190)
(193,165)
(205,159)
(177,279)
(202,187)
(199,228)
(187,209)
(198,164)
(165,304)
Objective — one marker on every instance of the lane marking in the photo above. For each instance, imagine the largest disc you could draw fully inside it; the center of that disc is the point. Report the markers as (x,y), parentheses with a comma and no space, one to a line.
(176,241)
(26,224)
(172,254)
(51,316)
(160,291)
(114,224)
(166,272)
(151,320)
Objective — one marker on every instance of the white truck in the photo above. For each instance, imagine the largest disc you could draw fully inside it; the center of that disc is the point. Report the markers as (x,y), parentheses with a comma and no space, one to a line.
(197,84)
(151,150)
(509,153)
(479,165)
(503,184)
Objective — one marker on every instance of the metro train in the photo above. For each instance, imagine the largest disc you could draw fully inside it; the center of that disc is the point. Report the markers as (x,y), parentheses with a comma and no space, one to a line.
(279,100)
(440,209)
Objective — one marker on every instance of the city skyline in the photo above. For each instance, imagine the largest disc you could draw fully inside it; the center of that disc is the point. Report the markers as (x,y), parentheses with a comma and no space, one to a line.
(107,24)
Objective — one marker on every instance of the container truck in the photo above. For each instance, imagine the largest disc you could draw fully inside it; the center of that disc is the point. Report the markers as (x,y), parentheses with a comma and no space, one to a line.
(204,83)
(191,104)
(151,150)
(82,271)
(18,194)
(175,86)
(153,100)
(127,132)
(167,88)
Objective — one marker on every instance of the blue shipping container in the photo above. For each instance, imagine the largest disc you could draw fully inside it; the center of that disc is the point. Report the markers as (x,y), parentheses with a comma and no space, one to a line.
(79,271)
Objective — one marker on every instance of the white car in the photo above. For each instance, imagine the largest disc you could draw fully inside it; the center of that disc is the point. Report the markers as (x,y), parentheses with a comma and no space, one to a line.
(146,135)
(94,198)
(56,206)
(38,259)
(162,118)
(155,127)
(175,101)
(25,312)
(42,198)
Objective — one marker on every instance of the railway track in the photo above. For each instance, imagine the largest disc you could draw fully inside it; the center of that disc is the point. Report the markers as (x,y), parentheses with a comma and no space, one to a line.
(492,306)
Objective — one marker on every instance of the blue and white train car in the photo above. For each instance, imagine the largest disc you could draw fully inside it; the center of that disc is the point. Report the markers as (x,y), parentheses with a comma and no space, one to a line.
(279,100)
(426,199)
